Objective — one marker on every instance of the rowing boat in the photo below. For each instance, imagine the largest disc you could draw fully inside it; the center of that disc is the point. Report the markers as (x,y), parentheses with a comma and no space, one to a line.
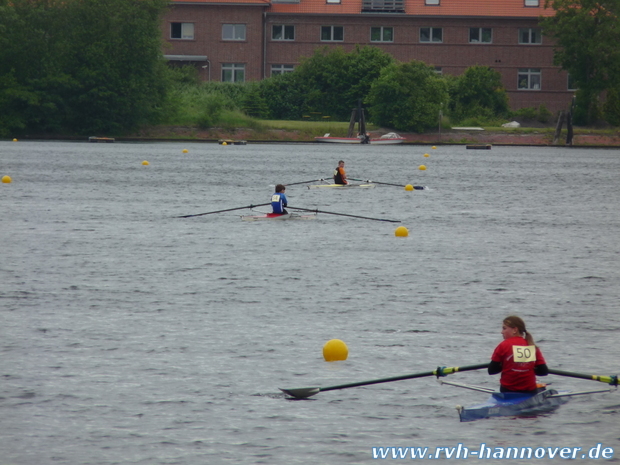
(503,404)
(277,216)
(341,186)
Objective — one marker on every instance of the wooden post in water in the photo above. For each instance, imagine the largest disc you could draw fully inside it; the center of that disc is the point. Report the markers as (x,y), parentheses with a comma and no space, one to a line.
(558,128)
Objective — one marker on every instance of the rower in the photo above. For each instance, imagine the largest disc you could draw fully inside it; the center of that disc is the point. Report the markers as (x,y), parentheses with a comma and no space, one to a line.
(279,201)
(340,176)
(518,359)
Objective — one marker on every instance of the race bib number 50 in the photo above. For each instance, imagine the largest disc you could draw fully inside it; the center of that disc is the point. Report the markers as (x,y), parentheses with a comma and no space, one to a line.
(523,354)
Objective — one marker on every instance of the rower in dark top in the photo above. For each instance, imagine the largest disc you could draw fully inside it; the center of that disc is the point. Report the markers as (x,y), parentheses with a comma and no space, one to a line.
(279,201)
(340,176)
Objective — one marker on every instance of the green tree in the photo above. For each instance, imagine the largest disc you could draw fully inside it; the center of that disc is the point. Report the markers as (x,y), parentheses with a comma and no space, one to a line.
(333,80)
(587,35)
(478,92)
(408,97)
(81,66)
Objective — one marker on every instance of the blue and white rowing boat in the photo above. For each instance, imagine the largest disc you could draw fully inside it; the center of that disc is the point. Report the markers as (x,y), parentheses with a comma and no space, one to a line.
(506,404)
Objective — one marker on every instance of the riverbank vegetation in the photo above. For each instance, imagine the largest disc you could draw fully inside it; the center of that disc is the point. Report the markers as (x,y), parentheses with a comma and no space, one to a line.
(81,68)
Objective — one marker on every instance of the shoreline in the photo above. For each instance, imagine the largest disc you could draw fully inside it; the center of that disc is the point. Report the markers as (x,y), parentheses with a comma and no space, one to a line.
(529,137)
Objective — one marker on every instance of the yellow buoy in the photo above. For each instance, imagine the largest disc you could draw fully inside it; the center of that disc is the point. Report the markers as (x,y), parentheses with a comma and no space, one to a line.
(426,155)
(145,162)
(408,187)
(6,179)
(335,350)
(422,168)
(14,140)
(434,147)
(401,231)
(185,150)
(224,143)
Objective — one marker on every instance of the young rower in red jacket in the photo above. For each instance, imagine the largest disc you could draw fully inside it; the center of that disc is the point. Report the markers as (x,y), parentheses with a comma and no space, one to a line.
(518,359)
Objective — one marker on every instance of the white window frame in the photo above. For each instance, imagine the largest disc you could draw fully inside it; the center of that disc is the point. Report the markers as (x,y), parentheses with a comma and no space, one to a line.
(281,69)
(532,3)
(431,35)
(285,30)
(529,79)
(331,33)
(187,31)
(533,33)
(382,31)
(431,2)
(480,31)
(333,1)
(233,32)
(236,70)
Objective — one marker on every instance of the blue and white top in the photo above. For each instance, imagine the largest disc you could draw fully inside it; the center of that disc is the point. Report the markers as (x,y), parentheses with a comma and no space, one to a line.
(278,202)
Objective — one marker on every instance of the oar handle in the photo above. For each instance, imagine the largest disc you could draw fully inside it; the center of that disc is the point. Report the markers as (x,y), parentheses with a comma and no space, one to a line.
(612,380)
(440,371)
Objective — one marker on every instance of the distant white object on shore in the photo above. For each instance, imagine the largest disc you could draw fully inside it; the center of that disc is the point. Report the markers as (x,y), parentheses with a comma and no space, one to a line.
(468,129)
(512,124)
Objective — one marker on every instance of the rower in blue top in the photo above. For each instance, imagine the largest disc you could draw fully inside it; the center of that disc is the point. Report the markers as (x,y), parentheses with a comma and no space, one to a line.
(279,201)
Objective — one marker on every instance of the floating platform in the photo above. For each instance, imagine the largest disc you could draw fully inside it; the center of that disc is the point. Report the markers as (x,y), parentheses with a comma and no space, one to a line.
(232,142)
(100,139)
(480,147)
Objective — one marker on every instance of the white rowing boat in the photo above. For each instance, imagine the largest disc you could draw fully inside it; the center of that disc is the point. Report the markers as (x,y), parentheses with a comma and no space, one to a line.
(387,139)
(278,217)
(341,186)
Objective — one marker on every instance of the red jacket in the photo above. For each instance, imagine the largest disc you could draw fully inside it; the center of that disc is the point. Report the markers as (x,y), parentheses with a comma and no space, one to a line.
(518,361)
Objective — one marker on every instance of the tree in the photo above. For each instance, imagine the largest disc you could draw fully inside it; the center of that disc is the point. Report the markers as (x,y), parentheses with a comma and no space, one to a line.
(332,81)
(81,66)
(407,97)
(587,37)
(478,92)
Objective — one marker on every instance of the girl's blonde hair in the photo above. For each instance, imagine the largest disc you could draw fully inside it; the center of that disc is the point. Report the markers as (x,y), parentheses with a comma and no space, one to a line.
(516,322)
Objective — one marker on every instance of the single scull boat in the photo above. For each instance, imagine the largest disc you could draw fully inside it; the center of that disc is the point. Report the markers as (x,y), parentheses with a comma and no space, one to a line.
(341,186)
(503,404)
(277,216)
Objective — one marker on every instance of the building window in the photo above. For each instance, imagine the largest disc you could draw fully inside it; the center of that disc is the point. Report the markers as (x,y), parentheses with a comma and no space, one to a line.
(382,34)
(281,32)
(529,78)
(570,83)
(182,31)
(332,33)
(233,72)
(431,34)
(530,35)
(532,3)
(281,69)
(431,2)
(438,70)
(480,35)
(333,1)
(233,31)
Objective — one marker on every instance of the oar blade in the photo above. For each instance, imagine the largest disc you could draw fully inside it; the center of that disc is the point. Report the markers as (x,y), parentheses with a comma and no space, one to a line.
(301,393)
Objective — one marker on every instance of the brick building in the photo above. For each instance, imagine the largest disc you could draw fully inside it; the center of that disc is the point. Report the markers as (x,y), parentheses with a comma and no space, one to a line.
(243,40)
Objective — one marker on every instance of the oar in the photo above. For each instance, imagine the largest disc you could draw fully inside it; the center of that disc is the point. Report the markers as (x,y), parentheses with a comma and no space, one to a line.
(304,182)
(227,210)
(302,393)
(612,380)
(344,214)
(419,188)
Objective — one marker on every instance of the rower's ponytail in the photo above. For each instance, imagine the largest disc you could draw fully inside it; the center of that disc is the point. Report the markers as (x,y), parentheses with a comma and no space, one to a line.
(516,322)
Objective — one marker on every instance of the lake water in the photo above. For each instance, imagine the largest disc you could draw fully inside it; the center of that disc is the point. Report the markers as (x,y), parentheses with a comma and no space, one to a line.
(132,336)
